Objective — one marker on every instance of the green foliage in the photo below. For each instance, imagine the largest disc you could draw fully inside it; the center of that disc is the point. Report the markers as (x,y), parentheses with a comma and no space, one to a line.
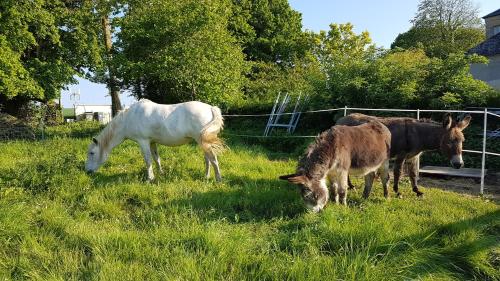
(65,224)
(405,79)
(266,80)
(443,27)
(42,46)
(344,57)
(177,51)
(430,39)
(268,30)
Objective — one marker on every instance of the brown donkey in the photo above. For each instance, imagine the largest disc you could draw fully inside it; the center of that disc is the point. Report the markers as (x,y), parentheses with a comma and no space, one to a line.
(341,150)
(410,137)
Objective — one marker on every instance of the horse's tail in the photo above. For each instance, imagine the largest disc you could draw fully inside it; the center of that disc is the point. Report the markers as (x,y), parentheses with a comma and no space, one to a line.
(210,142)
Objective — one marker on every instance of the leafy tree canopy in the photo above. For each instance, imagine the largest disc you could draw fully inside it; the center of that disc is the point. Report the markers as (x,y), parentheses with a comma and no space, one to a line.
(43,44)
(268,30)
(443,27)
(175,51)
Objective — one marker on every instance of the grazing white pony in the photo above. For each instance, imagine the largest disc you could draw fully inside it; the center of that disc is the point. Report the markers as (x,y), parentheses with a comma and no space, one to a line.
(149,124)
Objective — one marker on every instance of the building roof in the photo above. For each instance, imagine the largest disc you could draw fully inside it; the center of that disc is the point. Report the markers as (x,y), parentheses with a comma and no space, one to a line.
(488,48)
(495,13)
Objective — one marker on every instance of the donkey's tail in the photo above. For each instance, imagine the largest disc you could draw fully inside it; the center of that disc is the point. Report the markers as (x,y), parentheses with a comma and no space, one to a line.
(210,142)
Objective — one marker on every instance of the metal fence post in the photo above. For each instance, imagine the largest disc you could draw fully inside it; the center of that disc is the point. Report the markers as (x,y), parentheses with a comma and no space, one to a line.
(418,157)
(345,110)
(483,160)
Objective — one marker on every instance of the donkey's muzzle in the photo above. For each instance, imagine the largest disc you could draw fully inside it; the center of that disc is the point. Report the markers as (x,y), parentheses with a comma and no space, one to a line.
(457,165)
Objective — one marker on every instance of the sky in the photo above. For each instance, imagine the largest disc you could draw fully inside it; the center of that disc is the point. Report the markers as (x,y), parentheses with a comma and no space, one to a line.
(383,19)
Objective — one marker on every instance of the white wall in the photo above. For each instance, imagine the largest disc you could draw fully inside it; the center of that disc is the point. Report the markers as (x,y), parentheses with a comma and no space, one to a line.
(489,73)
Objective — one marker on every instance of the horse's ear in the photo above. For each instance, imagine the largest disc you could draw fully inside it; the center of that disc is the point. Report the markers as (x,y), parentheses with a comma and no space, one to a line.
(95,140)
(294,178)
(447,121)
(464,123)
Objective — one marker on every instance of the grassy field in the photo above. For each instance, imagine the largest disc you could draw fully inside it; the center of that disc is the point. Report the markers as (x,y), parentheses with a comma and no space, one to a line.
(56,222)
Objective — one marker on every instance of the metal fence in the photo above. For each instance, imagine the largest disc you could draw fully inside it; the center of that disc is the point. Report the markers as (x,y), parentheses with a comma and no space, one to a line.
(485,113)
(39,130)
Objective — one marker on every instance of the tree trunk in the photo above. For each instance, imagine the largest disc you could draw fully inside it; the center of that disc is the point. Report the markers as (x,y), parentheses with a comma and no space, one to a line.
(114,89)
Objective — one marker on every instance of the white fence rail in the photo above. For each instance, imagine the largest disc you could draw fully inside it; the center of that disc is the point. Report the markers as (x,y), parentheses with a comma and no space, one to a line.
(345,109)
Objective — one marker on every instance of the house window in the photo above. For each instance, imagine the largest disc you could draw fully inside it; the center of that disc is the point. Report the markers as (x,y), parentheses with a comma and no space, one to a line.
(496,29)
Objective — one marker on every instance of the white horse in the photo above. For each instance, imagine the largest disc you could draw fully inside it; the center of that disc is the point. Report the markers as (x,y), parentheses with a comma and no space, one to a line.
(149,124)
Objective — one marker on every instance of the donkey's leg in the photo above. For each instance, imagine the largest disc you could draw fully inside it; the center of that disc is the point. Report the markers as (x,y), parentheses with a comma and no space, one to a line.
(334,190)
(213,160)
(146,153)
(351,186)
(343,187)
(156,156)
(384,175)
(207,166)
(398,166)
(368,184)
(413,173)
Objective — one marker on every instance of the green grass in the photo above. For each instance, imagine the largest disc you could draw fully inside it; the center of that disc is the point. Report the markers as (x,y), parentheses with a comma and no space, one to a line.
(56,222)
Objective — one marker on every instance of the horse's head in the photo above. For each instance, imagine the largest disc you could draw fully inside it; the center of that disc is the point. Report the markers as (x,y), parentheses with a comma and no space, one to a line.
(452,139)
(95,157)
(314,192)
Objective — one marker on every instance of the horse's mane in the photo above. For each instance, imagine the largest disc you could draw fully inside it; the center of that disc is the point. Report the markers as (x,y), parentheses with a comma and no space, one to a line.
(107,133)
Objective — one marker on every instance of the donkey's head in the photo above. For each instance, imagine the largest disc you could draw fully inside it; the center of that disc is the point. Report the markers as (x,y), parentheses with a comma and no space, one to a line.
(452,139)
(95,157)
(314,192)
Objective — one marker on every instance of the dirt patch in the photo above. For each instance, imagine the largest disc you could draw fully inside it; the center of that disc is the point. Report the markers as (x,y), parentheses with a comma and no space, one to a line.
(464,185)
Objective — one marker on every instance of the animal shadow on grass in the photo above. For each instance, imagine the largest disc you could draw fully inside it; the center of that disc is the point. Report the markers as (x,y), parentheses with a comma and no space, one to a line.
(245,200)
(454,258)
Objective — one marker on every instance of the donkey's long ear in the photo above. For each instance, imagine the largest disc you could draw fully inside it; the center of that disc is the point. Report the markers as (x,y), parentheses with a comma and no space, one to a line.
(294,178)
(464,123)
(95,140)
(447,121)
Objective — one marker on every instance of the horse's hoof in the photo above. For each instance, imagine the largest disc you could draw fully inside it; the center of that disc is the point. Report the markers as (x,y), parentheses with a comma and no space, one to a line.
(420,195)
(400,196)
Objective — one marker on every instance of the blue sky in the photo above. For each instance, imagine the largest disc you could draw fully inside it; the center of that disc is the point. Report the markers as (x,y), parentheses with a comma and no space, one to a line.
(383,19)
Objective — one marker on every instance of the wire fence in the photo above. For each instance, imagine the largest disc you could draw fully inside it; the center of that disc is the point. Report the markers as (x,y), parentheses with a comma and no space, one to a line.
(485,113)
(40,131)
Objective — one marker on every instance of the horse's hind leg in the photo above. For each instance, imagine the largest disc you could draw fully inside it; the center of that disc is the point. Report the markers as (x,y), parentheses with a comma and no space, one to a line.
(156,156)
(413,173)
(212,158)
(146,153)
(207,166)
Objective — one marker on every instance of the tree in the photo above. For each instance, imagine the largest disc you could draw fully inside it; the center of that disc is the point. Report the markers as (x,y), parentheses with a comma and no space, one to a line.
(268,30)
(105,14)
(43,44)
(344,57)
(174,51)
(443,27)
